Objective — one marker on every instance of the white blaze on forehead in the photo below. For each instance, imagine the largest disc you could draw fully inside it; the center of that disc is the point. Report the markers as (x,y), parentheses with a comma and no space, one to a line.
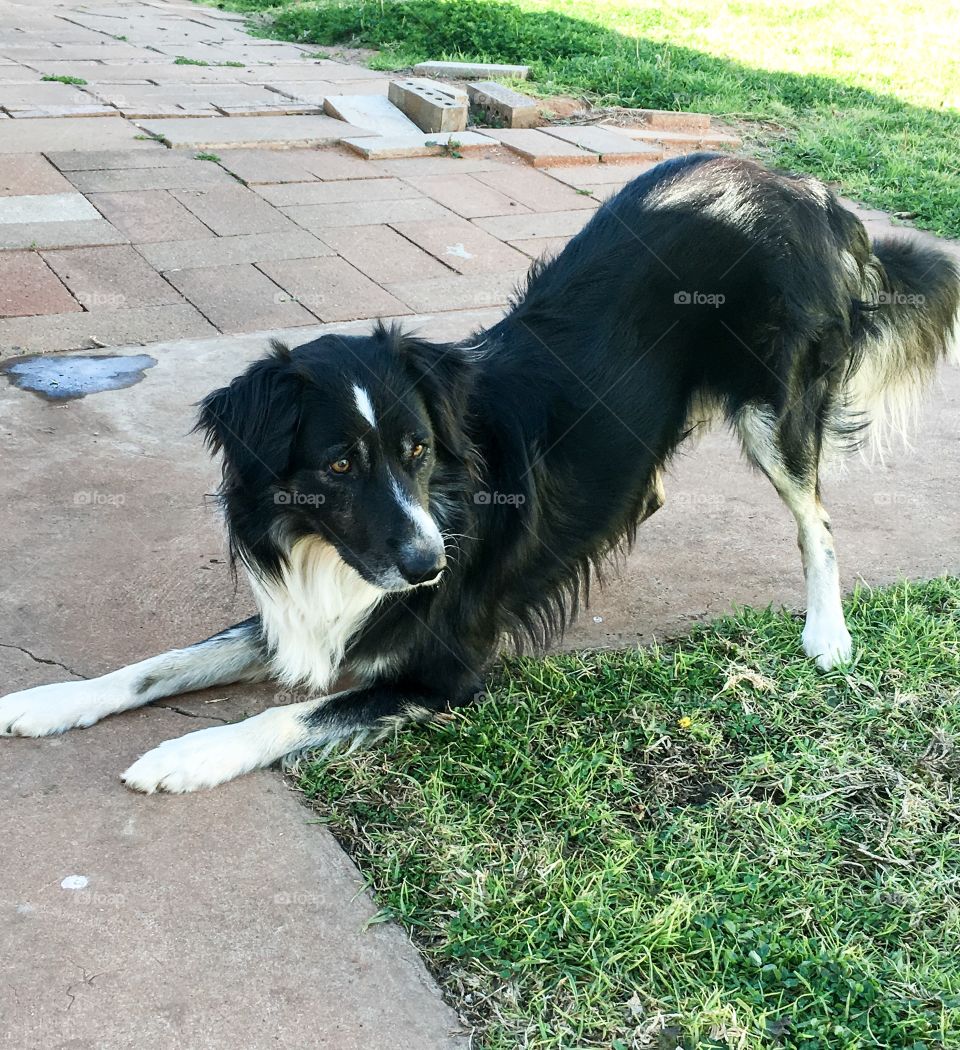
(364,405)
(426,526)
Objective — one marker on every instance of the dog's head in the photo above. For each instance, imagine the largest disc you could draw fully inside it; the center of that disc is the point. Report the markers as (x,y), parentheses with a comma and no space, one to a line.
(339,439)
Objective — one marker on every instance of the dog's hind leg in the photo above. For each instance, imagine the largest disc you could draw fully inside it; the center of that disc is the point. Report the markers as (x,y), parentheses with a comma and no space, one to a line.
(233,655)
(791,464)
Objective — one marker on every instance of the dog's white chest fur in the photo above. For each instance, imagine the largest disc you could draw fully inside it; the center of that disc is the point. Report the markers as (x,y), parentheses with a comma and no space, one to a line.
(311,612)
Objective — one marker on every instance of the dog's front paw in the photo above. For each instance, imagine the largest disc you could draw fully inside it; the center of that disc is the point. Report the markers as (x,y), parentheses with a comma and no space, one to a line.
(829,645)
(49,709)
(198,760)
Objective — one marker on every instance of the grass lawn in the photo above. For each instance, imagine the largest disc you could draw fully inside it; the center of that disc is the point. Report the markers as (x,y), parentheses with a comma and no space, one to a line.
(704,845)
(861,92)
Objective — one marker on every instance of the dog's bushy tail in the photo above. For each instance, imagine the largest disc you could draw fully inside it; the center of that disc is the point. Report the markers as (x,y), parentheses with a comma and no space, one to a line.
(908,323)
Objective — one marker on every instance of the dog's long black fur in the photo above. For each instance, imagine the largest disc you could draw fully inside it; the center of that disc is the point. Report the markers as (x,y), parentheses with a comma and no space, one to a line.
(708,284)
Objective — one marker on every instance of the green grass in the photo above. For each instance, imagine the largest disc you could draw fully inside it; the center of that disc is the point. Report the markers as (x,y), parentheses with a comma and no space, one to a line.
(76,81)
(214,157)
(861,93)
(708,844)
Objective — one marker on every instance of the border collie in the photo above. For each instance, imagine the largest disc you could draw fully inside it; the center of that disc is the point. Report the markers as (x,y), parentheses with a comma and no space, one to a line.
(401,507)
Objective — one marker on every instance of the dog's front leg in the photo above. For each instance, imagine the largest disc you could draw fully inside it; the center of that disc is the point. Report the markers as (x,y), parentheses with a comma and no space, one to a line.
(234,655)
(212,756)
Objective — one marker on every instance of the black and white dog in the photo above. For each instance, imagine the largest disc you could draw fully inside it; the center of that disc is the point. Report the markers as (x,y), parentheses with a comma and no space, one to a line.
(401,507)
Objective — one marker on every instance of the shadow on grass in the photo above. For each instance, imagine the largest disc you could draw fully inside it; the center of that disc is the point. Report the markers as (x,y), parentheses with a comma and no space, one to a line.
(882,150)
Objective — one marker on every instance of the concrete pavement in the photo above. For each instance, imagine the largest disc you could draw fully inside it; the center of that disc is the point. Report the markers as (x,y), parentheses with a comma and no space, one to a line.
(227,918)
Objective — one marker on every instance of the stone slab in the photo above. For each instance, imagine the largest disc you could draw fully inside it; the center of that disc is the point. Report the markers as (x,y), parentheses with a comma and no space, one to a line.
(315,92)
(229,251)
(333,289)
(36,96)
(29,173)
(342,192)
(49,334)
(471,70)
(595,176)
(149,215)
(231,210)
(320,217)
(384,256)
(426,145)
(374,113)
(239,298)
(541,247)
(542,150)
(149,155)
(60,234)
(29,287)
(535,189)
(278,132)
(96,72)
(608,145)
(259,167)
(431,105)
(62,133)
(544,224)
(197,175)
(676,120)
(326,72)
(464,246)
(493,103)
(456,292)
(113,278)
(466,196)
(49,207)
(694,139)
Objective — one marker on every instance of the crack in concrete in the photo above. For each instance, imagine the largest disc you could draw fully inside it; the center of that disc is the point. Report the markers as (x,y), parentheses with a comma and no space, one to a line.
(42,660)
(190,714)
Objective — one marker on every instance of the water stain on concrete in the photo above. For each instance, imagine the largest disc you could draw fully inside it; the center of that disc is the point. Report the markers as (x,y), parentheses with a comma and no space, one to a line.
(63,378)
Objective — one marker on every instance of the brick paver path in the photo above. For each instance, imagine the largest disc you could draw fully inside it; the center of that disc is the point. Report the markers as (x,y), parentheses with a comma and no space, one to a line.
(249,214)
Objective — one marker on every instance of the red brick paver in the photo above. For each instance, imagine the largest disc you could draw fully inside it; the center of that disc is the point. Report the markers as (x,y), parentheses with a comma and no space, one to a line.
(150,215)
(29,287)
(111,278)
(465,247)
(333,289)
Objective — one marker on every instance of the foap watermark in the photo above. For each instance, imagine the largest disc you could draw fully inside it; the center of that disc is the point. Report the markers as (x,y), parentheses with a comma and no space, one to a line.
(102,300)
(499,499)
(286,498)
(713,299)
(894,298)
(92,498)
(896,499)
(704,500)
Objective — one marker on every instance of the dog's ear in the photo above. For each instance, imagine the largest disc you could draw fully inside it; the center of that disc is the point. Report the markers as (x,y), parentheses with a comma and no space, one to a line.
(442,375)
(254,420)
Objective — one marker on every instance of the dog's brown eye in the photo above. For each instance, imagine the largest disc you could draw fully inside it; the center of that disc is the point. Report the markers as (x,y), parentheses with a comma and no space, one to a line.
(341,466)
(418,450)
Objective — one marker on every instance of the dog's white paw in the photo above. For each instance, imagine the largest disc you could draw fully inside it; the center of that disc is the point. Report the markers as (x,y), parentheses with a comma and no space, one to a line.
(198,760)
(828,644)
(51,709)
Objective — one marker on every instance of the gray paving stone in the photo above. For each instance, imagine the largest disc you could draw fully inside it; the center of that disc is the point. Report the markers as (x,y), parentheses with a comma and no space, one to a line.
(221,132)
(457,292)
(466,196)
(95,72)
(40,335)
(153,156)
(173,177)
(29,174)
(333,289)
(304,71)
(383,255)
(229,251)
(149,215)
(471,70)
(374,113)
(545,224)
(240,298)
(233,209)
(464,246)
(37,96)
(424,145)
(113,278)
(320,217)
(50,207)
(542,150)
(613,148)
(62,133)
(537,190)
(346,191)
(315,92)
(60,234)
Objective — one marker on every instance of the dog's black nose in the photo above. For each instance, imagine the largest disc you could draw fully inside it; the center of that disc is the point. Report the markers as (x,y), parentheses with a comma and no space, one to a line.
(421,564)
